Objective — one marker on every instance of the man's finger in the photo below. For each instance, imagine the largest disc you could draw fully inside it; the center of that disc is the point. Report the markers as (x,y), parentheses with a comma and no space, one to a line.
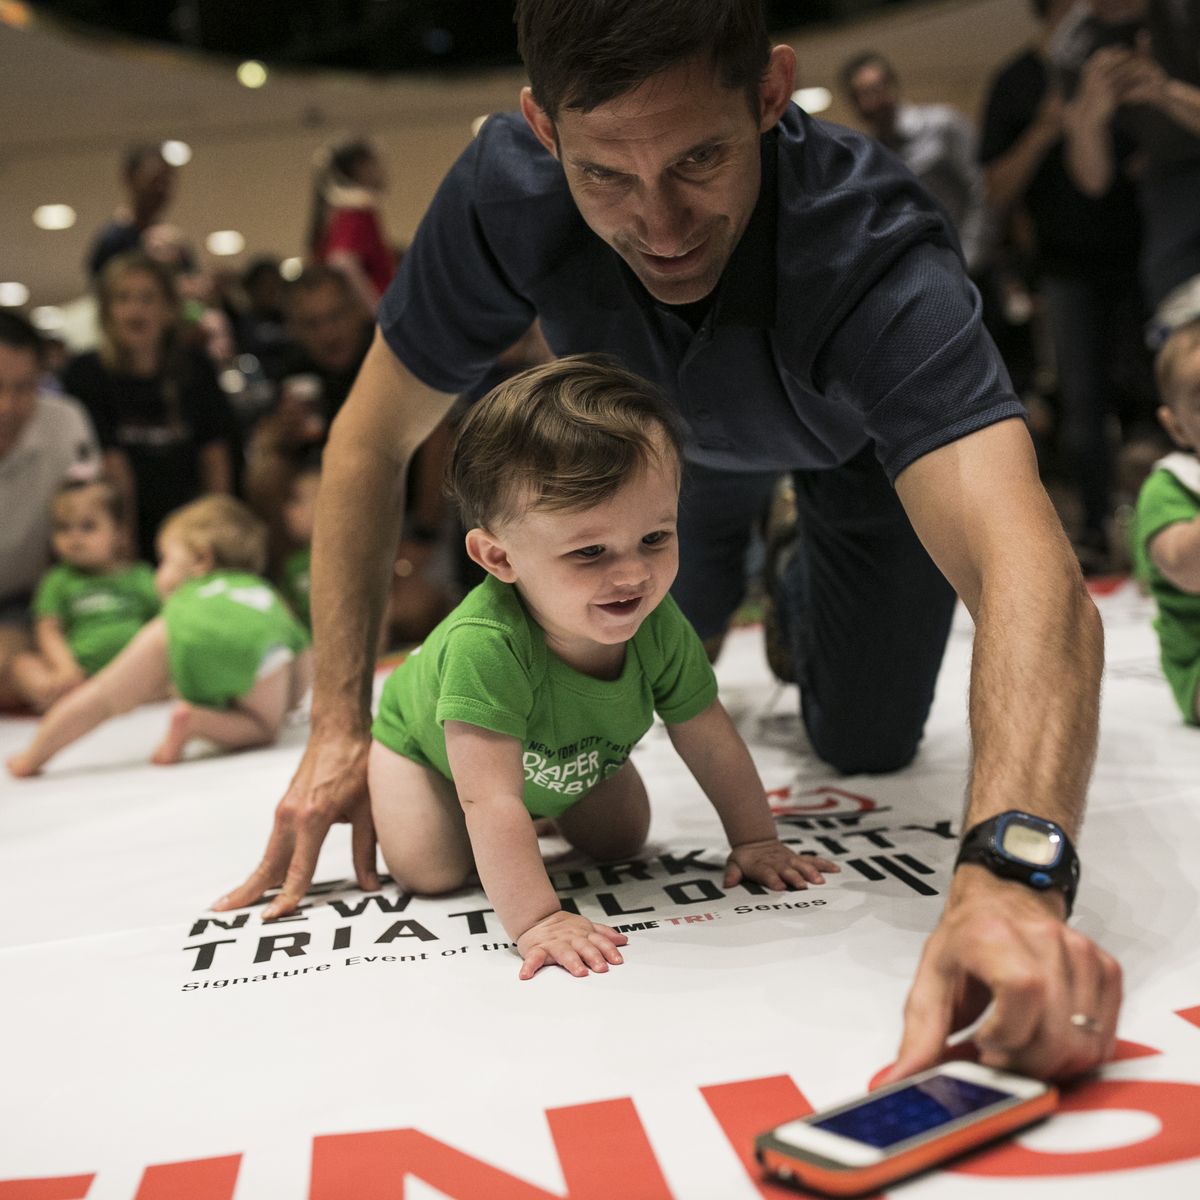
(268,874)
(301,869)
(928,1015)
(362,849)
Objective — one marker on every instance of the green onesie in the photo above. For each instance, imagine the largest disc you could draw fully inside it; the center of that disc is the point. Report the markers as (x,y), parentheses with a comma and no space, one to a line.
(296,583)
(220,631)
(1171,494)
(99,614)
(487,664)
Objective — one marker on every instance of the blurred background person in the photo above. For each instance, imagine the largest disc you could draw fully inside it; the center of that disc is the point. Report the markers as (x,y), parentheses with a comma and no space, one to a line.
(43,438)
(164,424)
(1083,261)
(345,229)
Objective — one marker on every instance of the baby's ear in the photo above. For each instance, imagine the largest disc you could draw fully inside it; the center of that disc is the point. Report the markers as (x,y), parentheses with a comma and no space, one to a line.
(1168,420)
(486,550)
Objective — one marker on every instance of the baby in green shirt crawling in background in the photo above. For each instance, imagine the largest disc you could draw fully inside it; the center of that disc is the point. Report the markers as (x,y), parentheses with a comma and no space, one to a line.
(1167,522)
(299,516)
(528,698)
(225,643)
(88,606)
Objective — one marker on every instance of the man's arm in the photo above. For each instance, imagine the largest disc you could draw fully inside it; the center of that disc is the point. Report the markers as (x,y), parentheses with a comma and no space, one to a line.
(980,510)
(1091,160)
(387,415)
(1009,175)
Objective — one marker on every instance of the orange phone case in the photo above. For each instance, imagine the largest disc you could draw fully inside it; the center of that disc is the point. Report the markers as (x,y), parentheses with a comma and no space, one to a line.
(825,1175)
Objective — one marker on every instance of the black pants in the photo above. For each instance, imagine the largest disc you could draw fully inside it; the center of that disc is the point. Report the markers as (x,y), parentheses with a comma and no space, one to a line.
(866,610)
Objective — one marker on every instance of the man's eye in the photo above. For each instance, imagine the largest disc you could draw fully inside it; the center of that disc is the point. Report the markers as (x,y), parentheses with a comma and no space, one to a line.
(590,552)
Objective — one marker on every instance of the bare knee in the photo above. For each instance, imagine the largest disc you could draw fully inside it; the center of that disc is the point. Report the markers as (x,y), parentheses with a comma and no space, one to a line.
(428,878)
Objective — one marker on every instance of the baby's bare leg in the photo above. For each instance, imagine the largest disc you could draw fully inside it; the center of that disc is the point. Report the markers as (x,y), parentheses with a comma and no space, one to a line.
(138,675)
(611,822)
(14,639)
(37,682)
(254,720)
(419,823)
(300,679)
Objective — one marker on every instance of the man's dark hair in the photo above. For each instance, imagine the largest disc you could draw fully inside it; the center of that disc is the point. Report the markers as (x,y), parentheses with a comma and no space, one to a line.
(868,58)
(319,275)
(18,334)
(582,53)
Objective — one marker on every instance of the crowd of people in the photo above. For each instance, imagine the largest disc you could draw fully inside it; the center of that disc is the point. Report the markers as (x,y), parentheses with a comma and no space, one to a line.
(223,426)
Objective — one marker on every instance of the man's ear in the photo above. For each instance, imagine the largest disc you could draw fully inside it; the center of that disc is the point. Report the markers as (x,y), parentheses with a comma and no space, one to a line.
(206,562)
(776,87)
(539,121)
(484,549)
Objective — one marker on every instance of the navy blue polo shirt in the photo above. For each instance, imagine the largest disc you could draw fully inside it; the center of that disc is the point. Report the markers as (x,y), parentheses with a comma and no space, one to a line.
(844,314)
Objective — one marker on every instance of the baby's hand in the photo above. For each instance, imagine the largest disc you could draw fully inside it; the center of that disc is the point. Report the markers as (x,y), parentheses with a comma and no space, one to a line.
(771,863)
(22,765)
(575,943)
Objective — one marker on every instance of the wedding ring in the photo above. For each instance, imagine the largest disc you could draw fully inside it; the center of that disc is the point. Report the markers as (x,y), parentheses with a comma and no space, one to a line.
(1084,1022)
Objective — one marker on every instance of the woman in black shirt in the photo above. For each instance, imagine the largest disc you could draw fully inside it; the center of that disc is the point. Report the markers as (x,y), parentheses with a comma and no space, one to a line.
(163,422)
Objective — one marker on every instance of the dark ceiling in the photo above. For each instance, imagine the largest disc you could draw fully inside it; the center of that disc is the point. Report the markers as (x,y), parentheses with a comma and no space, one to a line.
(363,35)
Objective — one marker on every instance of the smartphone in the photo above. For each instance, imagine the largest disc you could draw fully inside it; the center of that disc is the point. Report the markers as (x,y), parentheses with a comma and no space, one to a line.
(902,1129)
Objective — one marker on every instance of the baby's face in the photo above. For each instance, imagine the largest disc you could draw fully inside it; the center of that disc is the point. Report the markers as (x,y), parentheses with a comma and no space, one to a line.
(1182,417)
(177,563)
(591,578)
(85,534)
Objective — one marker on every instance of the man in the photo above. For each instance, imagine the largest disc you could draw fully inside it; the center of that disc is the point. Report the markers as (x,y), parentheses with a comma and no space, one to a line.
(934,141)
(800,298)
(149,182)
(42,437)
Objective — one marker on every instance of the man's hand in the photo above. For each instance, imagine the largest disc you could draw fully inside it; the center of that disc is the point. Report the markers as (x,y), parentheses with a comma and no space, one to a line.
(1100,82)
(329,785)
(772,864)
(1055,994)
(575,943)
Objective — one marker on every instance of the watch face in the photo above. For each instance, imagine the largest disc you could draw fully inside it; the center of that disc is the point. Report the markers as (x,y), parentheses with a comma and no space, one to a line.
(1031,844)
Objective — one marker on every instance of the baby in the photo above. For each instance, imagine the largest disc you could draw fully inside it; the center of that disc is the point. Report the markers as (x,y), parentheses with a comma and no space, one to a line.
(225,643)
(299,514)
(528,698)
(87,607)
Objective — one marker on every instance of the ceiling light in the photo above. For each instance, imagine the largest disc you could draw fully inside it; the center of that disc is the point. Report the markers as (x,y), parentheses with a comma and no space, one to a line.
(178,154)
(49,318)
(15,14)
(813,99)
(225,242)
(290,268)
(54,216)
(13,295)
(252,74)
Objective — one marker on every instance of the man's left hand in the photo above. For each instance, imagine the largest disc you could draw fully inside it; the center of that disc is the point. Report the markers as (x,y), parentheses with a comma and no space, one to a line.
(1055,994)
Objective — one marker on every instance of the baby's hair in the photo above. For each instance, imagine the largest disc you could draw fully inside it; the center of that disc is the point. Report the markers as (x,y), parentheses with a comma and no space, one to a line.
(1182,344)
(223,527)
(562,437)
(108,494)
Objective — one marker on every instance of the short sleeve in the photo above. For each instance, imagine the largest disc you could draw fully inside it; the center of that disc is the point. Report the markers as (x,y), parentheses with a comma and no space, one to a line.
(913,357)
(451,308)
(50,598)
(348,229)
(1163,501)
(1002,125)
(483,681)
(681,677)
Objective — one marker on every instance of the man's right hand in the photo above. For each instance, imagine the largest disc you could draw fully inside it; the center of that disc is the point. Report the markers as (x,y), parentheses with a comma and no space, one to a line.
(329,785)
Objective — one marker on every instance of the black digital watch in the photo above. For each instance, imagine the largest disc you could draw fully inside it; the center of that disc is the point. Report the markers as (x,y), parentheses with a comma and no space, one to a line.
(1031,850)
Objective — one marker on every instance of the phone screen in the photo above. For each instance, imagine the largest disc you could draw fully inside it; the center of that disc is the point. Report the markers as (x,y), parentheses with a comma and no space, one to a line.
(907,1112)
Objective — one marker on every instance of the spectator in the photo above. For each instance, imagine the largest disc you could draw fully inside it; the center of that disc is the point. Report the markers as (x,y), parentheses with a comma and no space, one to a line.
(1084,262)
(1150,92)
(163,422)
(42,437)
(345,230)
(149,182)
(258,316)
(935,142)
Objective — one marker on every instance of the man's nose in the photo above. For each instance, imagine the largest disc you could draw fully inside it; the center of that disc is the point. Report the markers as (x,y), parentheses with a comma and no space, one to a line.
(664,220)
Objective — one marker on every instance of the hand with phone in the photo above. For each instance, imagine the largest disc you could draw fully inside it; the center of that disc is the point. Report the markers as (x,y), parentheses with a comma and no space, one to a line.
(902,1129)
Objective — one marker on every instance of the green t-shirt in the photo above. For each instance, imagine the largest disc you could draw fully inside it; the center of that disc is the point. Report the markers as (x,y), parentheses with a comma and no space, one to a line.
(220,629)
(487,664)
(1171,494)
(99,614)
(296,583)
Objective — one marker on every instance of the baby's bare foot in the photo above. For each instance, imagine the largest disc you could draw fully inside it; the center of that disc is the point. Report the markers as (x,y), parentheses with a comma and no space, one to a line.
(22,765)
(170,749)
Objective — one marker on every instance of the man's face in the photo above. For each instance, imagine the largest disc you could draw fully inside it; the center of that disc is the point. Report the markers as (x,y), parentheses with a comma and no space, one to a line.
(874,95)
(328,325)
(668,174)
(18,393)
(151,187)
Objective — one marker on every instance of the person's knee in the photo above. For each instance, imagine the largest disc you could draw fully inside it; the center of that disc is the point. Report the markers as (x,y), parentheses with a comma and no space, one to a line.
(427,876)
(853,749)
